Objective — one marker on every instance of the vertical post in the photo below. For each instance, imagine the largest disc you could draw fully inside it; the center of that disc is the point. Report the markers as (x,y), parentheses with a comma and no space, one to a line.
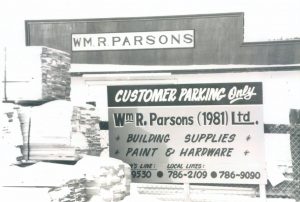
(5,78)
(186,192)
(262,193)
(294,117)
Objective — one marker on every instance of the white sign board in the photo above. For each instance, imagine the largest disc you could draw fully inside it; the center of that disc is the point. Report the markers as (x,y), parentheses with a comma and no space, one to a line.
(189,133)
(133,40)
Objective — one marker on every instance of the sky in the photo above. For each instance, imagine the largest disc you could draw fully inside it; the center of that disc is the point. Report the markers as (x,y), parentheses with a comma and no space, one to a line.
(264,19)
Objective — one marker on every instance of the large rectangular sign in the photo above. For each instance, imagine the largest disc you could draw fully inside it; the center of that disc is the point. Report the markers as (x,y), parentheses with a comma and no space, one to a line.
(195,133)
(133,40)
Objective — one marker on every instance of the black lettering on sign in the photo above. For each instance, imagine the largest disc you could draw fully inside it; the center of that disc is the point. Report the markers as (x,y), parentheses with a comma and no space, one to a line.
(141,152)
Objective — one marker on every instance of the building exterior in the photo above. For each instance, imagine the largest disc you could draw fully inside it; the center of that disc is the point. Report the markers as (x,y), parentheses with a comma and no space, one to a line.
(173,50)
(216,52)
